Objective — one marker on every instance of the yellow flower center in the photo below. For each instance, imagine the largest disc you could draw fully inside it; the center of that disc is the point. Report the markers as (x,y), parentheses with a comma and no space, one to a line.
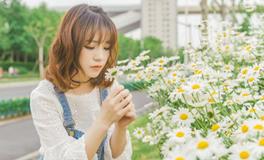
(196,86)
(202,144)
(244,71)
(184,116)
(252,110)
(248,48)
(227,67)
(211,100)
(244,154)
(161,68)
(251,79)
(180,134)
(262,98)
(215,127)
(256,68)
(180,90)
(161,61)
(245,94)
(183,80)
(244,128)
(227,47)
(174,74)
(258,127)
(261,142)
(198,71)
(179,158)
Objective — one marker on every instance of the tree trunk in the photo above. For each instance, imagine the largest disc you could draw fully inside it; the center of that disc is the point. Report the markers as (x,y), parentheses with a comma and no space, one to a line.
(41,62)
(25,58)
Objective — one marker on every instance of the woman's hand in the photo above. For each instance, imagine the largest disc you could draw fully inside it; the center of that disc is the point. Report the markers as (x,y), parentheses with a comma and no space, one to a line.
(115,106)
(127,118)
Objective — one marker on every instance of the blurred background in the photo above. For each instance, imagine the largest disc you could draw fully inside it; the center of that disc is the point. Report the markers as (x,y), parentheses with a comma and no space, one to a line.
(165,27)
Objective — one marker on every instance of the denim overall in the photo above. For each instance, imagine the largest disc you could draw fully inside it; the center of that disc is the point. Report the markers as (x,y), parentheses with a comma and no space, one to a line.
(69,122)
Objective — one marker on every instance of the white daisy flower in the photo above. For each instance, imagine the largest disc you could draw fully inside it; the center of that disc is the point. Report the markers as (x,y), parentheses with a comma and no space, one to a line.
(183,117)
(206,148)
(180,135)
(112,73)
(258,147)
(139,133)
(242,152)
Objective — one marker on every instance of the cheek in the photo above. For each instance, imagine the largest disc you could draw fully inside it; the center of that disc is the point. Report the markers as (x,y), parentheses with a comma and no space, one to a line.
(84,59)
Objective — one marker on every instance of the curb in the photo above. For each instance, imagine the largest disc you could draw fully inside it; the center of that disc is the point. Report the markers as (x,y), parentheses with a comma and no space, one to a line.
(30,156)
(5,122)
(18,84)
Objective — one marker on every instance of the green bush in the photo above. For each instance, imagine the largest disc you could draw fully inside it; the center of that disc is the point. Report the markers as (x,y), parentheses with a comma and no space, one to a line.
(14,108)
(19,65)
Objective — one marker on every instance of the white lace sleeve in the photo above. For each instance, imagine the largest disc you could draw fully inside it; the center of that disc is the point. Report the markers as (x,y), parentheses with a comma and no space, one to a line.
(55,142)
(125,155)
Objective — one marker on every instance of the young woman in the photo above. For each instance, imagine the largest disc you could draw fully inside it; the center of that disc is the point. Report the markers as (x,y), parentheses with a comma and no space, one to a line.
(78,114)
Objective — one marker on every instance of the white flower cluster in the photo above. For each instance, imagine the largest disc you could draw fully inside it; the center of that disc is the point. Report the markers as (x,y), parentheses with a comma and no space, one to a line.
(210,108)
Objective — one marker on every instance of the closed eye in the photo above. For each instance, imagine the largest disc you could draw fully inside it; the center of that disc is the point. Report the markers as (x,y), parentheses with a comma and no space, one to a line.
(88,47)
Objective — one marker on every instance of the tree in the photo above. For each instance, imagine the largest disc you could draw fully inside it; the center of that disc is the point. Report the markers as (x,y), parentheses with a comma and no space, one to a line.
(154,45)
(41,27)
(128,47)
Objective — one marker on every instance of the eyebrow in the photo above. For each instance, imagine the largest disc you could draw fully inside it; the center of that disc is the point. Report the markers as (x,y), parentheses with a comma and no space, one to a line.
(93,41)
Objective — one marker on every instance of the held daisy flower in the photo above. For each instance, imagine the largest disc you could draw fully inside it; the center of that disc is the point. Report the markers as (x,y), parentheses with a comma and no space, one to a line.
(112,73)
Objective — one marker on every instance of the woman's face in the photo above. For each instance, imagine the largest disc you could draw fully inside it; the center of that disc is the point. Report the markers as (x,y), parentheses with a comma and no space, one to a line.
(93,58)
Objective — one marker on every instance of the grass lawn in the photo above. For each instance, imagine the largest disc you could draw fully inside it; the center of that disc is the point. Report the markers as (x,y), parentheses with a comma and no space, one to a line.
(142,151)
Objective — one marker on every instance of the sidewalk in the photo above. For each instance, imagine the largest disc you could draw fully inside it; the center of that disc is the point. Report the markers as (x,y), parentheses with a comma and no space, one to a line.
(19,84)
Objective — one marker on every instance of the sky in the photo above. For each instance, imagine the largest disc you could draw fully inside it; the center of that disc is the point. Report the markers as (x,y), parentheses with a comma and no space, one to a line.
(54,3)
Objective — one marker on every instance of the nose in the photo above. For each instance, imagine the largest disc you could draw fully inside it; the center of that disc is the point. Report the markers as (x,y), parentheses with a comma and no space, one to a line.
(99,55)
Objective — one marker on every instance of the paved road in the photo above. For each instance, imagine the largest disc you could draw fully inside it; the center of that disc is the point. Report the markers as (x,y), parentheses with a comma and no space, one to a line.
(9,91)
(20,138)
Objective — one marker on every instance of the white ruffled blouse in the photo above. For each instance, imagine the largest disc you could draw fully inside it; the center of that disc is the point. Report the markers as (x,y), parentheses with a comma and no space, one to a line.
(47,114)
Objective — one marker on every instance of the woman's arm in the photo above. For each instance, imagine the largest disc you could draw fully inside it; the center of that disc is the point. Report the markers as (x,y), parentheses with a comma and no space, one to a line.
(118,141)
(94,137)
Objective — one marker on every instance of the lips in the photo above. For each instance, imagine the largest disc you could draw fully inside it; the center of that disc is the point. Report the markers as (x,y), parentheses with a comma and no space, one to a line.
(96,66)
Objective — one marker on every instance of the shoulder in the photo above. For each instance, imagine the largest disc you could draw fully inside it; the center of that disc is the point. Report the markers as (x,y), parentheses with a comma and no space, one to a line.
(43,96)
(44,88)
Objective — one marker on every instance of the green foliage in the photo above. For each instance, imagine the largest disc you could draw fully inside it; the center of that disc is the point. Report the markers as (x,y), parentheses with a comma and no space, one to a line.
(19,24)
(6,64)
(128,48)
(155,45)
(142,151)
(13,108)
(135,85)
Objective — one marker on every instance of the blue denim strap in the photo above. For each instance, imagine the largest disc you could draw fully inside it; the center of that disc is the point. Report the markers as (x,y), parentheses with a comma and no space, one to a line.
(67,115)
(69,122)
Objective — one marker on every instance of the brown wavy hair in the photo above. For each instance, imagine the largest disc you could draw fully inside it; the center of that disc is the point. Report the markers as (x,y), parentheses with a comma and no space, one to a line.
(78,25)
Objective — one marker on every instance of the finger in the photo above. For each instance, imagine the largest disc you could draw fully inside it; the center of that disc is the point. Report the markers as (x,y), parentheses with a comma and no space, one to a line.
(121,95)
(130,114)
(115,91)
(125,110)
(125,102)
